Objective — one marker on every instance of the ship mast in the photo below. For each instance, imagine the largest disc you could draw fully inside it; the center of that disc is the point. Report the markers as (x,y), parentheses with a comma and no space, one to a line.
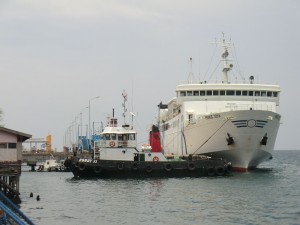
(226,65)
(124,94)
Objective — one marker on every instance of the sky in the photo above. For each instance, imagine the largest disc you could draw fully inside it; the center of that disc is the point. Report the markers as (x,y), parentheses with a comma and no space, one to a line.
(56,56)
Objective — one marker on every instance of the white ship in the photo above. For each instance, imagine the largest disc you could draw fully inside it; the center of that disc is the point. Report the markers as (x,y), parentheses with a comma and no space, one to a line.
(232,120)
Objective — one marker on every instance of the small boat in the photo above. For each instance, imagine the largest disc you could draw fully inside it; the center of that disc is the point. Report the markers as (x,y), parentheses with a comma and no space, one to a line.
(49,165)
(116,155)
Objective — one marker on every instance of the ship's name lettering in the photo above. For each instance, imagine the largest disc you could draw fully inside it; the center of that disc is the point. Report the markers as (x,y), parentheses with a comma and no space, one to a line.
(213,116)
(85,160)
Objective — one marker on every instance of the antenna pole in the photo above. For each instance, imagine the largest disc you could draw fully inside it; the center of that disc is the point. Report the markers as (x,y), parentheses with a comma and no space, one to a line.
(124,94)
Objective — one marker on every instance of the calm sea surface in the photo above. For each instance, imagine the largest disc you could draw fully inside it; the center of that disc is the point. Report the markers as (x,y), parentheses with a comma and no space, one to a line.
(267,195)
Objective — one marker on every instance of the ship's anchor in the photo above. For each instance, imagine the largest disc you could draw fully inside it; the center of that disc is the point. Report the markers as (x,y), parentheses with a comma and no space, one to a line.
(229,140)
(264,140)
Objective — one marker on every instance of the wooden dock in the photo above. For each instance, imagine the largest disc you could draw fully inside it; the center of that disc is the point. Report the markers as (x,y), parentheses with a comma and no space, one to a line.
(10,173)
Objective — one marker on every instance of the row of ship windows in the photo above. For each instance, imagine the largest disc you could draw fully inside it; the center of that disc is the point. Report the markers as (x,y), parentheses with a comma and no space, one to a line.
(229,93)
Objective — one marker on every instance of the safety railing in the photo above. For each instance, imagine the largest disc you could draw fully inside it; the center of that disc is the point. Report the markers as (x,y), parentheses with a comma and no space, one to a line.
(11,213)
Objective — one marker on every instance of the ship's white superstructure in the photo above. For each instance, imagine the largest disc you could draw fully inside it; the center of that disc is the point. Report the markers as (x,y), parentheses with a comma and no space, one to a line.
(236,121)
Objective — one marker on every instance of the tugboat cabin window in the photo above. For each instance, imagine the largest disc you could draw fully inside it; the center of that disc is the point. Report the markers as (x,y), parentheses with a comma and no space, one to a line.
(189,93)
(275,94)
(182,93)
(244,93)
(269,94)
(196,93)
(238,93)
(222,92)
(215,92)
(250,93)
(209,93)
(120,137)
(202,93)
(107,137)
(131,137)
(113,137)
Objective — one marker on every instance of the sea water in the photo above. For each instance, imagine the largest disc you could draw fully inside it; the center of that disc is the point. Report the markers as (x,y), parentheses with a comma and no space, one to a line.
(268,195)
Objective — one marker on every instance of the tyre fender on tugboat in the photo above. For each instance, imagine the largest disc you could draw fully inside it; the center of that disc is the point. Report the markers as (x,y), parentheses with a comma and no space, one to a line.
(148,169)
(191,166)
(220,171)
(120,166)
(168,167)
(81,166)
(135,166)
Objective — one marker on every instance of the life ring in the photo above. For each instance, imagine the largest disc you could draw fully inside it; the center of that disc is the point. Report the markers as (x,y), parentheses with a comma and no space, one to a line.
(97,169)
(148,169)
(155,159)
(112,144)
(191,166)
(120,166)
(210,171)
(220,171)
(168,167)
(135,166)
(81,166)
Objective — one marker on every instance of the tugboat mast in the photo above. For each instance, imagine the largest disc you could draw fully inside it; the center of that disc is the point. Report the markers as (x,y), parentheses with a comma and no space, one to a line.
(124,94)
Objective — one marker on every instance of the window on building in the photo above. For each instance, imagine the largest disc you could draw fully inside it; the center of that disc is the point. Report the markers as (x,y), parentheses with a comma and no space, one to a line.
(263,93)
(209,93)
(251,93)
(12,145)
(196,93)
(275,94)
(244,93)
(3,145)
(238,93)
(189,93)
(222,92)
(182,93)
(257,93)
(269,93)
(202,93)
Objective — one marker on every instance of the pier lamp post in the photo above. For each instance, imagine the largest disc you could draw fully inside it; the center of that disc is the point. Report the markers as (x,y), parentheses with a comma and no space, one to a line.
(80,129)
(90,119)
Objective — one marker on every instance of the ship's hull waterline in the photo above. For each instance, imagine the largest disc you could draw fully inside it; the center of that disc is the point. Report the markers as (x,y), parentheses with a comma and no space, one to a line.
(246,138)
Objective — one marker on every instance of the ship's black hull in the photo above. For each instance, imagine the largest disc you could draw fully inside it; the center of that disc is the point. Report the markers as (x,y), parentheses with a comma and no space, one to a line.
(84,168)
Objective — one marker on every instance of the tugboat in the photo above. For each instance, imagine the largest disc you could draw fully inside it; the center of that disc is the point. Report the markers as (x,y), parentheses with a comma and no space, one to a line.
(116,155)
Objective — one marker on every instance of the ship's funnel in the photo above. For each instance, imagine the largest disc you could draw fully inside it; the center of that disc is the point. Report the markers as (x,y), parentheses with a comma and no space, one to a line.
(155,139)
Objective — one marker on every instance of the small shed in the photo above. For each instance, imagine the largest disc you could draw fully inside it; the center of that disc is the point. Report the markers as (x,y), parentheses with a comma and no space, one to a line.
(10,161)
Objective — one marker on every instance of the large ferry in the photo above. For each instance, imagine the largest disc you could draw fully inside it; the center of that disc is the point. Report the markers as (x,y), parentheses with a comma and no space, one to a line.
(227,119)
